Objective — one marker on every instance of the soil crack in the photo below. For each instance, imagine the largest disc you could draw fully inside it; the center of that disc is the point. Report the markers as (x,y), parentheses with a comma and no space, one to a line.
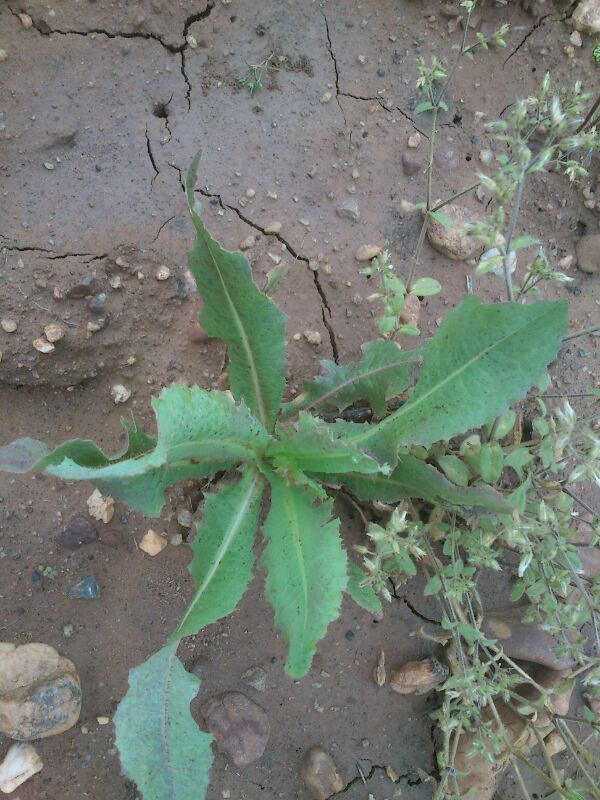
(51,254)
(363,777)
(152,161)
(416,612)
(325,307)
(385,108)
(335,69)
(529,33)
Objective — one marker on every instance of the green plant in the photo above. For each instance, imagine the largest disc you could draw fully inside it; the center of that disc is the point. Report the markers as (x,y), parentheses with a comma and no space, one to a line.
(255,74)
(596,53)
(463,382)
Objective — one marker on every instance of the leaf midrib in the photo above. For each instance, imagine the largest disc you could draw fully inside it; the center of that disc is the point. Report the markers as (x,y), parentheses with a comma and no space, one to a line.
(223,548)
(410,406)
(296,536)
(165,723)
(262,411)
(362,376)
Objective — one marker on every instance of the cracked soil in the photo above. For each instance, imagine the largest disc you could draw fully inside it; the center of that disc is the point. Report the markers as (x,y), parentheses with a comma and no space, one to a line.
(117,97)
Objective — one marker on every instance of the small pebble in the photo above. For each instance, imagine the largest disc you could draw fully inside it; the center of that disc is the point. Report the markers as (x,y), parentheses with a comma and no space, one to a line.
(410,165)
(274,258)
(313,337)
(175,539)
(152,543)
(49,165)
(68,630)
(3,55)
(247,243)
(119,393)
(355,173)
(42,345)
(192,41)
(97,302)
(26,21)
(163,273)
(575,39)
(486,156)
(361,59)
(414,140)
(256,677)
(85,589)
(348,209)
(250,193)
(8,325)
(102,720)
(273,228)
(366,252)
(54,332)
(100,507)
(116,282)
(77,532)
(350,635)
(325,97)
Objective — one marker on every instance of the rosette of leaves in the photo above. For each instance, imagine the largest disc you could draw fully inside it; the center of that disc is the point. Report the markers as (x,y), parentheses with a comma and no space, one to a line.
(281,457)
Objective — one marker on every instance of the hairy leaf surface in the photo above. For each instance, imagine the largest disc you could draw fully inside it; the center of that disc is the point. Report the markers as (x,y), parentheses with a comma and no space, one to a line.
(161,748)
(414,478)
(223,557)
(383,372)
(306,569)
(482,358)
(199,433)
(315,446)
(364,596)
(235,311)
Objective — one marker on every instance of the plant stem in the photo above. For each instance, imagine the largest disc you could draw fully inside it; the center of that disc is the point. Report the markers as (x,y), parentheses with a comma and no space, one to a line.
(509,236)
(455,196)
(589,116)
(417,250)
(581,502)
(573,746)
(584,332)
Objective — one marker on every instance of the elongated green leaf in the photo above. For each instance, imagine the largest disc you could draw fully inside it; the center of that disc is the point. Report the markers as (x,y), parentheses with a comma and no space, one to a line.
(382,373)
(306,569)
(315,446)
(414,478)
(236,311)
(161,748)
(364,596)
(223,557)
(482,358)
(199,433)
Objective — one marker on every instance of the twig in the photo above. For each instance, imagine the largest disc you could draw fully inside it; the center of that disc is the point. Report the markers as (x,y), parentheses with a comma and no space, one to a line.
(589,116)
(584,332)
(581,502)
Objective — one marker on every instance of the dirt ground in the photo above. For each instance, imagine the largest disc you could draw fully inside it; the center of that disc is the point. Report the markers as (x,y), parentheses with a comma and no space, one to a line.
(103,105)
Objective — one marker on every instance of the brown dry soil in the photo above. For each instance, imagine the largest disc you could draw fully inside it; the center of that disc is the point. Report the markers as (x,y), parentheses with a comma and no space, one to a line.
(112,96)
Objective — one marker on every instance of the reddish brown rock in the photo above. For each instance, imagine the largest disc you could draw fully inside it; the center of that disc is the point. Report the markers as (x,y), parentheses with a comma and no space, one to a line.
(319,773)
(526,641)
(240,727)
(77,532)
(418,677)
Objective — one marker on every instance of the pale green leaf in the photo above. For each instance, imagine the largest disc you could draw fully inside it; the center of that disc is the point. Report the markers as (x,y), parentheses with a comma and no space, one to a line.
(433,585)
(519,242)
(414,478)
(364,596)
(199,433)
(482,359)
(455,469)
(424,287)
(314,446)
(223,556)
(306,569)
(160,746)
(441,217)
(383,372)
(491,461)
(235,311)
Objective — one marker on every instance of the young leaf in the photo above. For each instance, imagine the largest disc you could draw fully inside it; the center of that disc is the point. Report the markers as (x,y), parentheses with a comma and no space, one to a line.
(424,287)
(433,585)
(455,469)
(306,569)
(383,372)
(223,557)
(364,596)
(199,433)
(519,242)
(414,478)
(234,310)
(315,446)
(482,359)
(161,748)
(441,217)
(491,461)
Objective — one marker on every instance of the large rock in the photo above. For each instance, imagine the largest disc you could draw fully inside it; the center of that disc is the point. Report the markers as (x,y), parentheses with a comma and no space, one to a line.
(40,692)
(526,641)
(586,16)
(588,253)
(240,727)
(319,773)
(453,241)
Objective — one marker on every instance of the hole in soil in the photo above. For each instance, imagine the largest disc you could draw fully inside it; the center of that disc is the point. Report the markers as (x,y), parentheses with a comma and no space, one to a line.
(534,69)
(232,19)
(468,157)
(161,110)
(457,119)
(365,134)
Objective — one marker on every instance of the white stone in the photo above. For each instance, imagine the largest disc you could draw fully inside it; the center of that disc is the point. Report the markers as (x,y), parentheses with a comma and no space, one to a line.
(163,273)
(8,325)
(119,393)
(153,543)
(20,763)
(54,332)
(101,507)
(42,345)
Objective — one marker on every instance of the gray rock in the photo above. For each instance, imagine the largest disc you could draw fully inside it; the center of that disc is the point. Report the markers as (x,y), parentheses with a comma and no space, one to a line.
(586,17)
(410,165)
(348,209)
(241,728)
(588,253)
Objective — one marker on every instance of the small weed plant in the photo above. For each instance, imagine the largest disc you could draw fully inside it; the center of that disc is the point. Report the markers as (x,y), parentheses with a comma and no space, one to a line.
(460,483)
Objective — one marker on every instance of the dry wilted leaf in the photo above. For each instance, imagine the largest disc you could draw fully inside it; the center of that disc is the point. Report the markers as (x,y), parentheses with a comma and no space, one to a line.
(379,669)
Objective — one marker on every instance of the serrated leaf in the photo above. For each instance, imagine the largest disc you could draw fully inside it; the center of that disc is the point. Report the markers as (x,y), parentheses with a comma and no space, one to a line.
(306,569)
(364,596)
(235,311)
(414,478)
(383,372)
(314,446)
(199,433)
(223,556)
(482,359)
(160,746)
